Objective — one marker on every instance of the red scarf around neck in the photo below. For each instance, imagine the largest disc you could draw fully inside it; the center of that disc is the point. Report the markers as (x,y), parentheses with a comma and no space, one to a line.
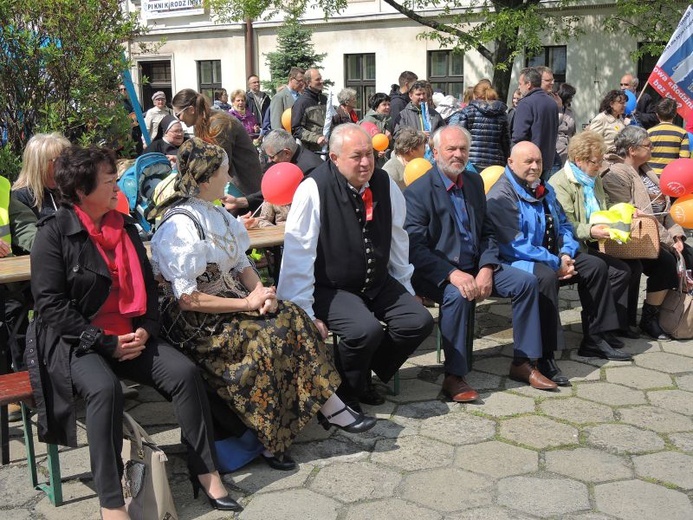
(123,262)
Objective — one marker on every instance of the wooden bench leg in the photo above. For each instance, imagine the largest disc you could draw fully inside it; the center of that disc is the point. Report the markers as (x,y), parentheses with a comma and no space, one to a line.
(54,487)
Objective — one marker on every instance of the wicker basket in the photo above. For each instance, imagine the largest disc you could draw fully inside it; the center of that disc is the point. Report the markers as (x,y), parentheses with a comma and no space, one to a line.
(643,243)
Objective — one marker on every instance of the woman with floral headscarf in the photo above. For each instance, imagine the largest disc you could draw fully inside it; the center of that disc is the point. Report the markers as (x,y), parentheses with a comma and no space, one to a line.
(263,356)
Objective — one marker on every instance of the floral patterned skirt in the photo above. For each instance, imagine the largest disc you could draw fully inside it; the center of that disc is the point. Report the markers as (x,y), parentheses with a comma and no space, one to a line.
(274,370)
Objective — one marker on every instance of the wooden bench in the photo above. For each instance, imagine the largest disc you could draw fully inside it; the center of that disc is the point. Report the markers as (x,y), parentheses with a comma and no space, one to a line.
(16,388)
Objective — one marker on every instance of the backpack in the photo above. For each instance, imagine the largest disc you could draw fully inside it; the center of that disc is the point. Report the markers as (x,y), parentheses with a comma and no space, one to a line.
(138,183)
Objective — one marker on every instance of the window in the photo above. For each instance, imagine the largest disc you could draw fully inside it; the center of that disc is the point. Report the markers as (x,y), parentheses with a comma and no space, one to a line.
(446,72)
(158,78)
(646,64)
(360,75)
(209,77)
(553,57)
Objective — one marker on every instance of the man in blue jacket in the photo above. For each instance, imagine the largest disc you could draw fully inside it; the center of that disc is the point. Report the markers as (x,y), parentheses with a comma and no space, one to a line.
(455,256)
(534,235)
(536,118)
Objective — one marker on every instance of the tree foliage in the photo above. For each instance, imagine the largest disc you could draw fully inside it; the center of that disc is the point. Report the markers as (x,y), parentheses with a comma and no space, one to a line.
(294,49)
(60,62)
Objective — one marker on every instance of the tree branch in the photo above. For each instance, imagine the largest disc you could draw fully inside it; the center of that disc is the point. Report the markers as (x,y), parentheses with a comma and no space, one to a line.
(449,29)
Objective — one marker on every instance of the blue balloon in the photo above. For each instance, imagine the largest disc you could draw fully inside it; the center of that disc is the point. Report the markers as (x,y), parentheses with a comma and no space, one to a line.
(631,101)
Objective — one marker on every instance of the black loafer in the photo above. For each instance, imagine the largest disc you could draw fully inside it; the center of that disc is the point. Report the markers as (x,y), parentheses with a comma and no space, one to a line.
(549,368)
(286,463)
(630,333)
(371,396)
(601,349)
(612,340)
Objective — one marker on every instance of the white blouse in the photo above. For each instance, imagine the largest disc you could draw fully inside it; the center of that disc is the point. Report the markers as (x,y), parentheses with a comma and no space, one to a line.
(180,256)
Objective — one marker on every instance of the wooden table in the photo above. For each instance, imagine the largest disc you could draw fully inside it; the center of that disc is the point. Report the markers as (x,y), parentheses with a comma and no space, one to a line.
(18,268)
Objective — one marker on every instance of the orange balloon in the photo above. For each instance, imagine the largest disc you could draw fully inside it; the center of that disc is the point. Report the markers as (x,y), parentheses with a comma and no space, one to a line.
(682,211)
(286,119)
(380,142)
(415,169)
(123,205)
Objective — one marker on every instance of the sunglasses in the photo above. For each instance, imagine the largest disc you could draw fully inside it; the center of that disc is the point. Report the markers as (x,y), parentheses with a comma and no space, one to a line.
(178,114)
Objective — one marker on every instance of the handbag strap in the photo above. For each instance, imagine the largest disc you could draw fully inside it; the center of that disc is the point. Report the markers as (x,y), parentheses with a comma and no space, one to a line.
(133,431)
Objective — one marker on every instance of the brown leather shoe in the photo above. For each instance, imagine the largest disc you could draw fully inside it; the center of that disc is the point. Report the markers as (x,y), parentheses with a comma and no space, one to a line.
(457,389)
(528,373)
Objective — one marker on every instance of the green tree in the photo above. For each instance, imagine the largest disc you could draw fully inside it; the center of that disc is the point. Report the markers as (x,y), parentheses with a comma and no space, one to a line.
(294,49)
(60,62)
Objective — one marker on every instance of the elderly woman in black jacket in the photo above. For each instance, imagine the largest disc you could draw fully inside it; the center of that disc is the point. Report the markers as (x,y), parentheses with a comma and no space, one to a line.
(96,320)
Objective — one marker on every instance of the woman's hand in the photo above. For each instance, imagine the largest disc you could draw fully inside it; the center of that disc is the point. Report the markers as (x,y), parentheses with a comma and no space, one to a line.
(4,249)
(322,328)
(678,244)
(131,345)
(257,300)
(600,231)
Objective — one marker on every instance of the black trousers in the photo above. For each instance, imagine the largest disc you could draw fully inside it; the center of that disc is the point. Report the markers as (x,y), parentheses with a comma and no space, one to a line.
(161,366)
(621,279)
(364,344)
(596,297)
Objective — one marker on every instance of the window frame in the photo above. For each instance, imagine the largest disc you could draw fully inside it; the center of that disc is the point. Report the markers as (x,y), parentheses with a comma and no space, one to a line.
(364,87)
(449,83)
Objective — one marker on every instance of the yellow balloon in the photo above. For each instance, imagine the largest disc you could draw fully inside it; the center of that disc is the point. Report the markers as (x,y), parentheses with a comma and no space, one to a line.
(415,169)
(490,175)
(286,119)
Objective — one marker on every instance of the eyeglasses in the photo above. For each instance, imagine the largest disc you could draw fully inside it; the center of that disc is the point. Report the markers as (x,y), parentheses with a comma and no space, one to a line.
(648,146)
(178,114)
(625,84)
(595,163)
(274,155)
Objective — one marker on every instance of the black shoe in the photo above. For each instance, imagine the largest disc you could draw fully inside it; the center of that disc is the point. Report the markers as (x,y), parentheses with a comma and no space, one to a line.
(649,323)
(371,396)
(286,463)
(222,504)
(629,332)
(612,340)
(590,347)
(549,368)
(361,423)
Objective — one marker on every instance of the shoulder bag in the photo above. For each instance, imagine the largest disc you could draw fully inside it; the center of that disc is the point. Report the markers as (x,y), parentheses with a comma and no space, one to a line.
(145,483)
(676,312)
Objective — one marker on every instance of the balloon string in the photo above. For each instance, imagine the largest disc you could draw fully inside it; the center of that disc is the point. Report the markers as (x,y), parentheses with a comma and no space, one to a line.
(256,211)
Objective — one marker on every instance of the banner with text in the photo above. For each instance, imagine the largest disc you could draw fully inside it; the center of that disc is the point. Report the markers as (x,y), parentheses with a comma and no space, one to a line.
(672,77)
(170,8)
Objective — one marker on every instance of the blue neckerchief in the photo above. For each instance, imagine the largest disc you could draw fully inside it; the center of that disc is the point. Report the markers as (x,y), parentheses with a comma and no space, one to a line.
(587,183)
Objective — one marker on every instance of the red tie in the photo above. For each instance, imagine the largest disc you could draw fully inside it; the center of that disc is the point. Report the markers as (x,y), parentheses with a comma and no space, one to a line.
(367,197)
(459,183)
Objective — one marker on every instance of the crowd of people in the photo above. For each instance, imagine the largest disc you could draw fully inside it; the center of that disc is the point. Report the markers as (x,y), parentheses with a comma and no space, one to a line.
(361,252)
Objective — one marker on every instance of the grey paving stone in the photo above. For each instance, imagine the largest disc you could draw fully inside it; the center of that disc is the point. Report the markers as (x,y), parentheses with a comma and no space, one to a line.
(355,482)
(538,432)
(15,487)
(458,428)
(17,514)
(656,419)
(543,497)
(499,366)
(296,504)
(489,513)
(415,390)
(502,404)
(685,382)
(637,377)
(674,400)
(669,467)
(577,371)
(524,389)
(665,362)
(331,450)
(390,509)
(622,438)
(634,499)
(496,459)
(577,410)
(683,441)
(82,500)
(683,348)
(258,477)
(448,489)
(149,414)
(74,463)
(610,394)
(483,380)
(412,453)
(588,465)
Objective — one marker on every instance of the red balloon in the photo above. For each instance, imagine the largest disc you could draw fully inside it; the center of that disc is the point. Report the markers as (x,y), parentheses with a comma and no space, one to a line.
(280,182)
(370,128)
(123,205)
(677,178)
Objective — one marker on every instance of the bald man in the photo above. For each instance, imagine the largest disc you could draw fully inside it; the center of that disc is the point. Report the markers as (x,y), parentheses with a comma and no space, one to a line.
(534,235)
(346,263)
(455,257)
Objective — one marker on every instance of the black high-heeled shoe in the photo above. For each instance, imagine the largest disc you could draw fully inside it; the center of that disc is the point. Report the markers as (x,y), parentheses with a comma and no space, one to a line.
(222,504)
(361,423)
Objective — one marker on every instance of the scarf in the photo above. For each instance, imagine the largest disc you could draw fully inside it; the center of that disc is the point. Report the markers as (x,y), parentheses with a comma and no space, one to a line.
(125,264)
(587,183)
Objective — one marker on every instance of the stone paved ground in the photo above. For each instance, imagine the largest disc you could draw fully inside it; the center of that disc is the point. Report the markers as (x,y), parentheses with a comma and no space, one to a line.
(618,444)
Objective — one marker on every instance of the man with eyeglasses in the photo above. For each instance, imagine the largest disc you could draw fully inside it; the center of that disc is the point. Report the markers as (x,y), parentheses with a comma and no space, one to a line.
(286,97)
(645,113)
(279,146)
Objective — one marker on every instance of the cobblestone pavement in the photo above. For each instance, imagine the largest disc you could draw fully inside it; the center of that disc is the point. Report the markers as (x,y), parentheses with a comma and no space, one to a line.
(617,444)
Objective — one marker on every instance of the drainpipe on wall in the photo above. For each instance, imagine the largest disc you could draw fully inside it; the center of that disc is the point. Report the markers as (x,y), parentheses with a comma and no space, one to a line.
(249,48)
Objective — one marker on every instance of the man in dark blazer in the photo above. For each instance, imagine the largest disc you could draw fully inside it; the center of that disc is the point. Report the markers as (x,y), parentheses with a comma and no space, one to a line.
(455,256)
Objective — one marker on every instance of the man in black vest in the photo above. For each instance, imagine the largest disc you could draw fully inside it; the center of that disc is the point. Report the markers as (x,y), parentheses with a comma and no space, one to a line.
(346,264)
